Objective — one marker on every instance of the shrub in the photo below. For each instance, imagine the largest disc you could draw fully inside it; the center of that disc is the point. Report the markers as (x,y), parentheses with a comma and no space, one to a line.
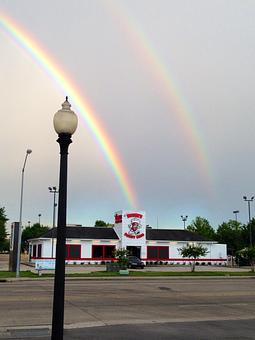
(121,255)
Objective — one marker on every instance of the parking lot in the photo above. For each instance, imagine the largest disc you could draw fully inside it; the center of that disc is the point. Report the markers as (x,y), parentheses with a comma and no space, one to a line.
(25,265)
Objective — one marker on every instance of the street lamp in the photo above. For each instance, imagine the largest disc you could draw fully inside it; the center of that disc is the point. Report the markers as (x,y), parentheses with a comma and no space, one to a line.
(184,219)
(28,152)
(249,214)
(65,123)
(54,191)
(39,218)
(236,212)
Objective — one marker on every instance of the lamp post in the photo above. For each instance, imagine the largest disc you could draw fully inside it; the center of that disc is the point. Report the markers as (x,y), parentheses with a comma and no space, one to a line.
(65,123)
(28,152)
(249,200)
(236,212)
(184,219)
(39,218)
(54,191)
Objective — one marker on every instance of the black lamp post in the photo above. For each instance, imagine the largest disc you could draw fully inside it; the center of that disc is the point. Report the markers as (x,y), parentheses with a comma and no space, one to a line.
(39,218)
(54,191)
(184,219)
(236,212)
(249,214)
(65,124)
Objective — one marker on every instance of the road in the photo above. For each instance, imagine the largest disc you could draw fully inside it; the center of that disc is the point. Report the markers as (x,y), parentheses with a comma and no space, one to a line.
(160,307)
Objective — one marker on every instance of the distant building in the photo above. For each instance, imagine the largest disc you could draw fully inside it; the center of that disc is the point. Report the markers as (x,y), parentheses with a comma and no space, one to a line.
(96,244)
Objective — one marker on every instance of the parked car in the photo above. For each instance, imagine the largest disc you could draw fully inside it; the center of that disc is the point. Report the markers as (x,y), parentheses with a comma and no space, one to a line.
(135,262)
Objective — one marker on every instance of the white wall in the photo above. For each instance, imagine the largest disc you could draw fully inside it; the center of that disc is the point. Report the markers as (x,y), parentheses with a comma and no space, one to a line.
(216,252)
(86,248)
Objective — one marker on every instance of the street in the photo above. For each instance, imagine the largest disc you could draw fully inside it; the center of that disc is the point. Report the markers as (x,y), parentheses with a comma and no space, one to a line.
(156,306)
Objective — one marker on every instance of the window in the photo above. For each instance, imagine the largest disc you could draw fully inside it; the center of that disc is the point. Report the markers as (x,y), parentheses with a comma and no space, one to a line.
(39,250)
(109,251)
(34,251)
(97,251)
(163,252)
(73,251)
(157,253)
(152,252)
(103,252)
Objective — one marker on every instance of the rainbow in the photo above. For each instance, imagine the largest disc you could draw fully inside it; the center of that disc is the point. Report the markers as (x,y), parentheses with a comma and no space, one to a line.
(85,110)
(177,103)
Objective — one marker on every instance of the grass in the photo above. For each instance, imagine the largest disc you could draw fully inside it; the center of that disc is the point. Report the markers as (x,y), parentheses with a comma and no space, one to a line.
(6,274)
(29,274)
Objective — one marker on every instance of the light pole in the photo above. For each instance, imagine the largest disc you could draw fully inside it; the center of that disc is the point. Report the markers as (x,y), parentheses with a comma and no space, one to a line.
(184,219)
(249,214)
(65,123)
(39,218)
(236,212)
(54,191)
(28,152)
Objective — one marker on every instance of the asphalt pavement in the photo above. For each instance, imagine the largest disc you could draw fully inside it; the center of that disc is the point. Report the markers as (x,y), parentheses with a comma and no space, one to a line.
(130,307)
(161,308)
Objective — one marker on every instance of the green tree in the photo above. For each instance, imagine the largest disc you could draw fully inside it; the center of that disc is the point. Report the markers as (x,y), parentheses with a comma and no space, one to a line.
(247,230)
(202,227)
(231,233)
(249,255)
(100,223)
(3,233)
(121,255)
(35,231)
(193,251)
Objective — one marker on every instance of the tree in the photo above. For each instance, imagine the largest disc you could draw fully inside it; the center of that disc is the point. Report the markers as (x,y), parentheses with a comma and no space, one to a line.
(247,230)
(202,227)
(231,233)
(193,251)
(100,223)
(35,231)
(3,233)
(249,255)
(121,255)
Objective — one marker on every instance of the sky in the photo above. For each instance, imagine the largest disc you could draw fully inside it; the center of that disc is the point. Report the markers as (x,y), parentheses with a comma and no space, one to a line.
(164,94)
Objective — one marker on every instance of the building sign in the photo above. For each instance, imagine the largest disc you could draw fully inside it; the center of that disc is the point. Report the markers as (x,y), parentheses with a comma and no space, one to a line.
(118,218)
(135,228)
(44,264)
(130,226)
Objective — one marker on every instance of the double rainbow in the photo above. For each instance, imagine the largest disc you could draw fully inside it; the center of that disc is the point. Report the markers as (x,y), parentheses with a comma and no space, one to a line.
(168,85)
(85,110)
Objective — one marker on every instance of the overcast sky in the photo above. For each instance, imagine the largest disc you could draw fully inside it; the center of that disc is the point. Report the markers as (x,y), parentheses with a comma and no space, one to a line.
(172,83)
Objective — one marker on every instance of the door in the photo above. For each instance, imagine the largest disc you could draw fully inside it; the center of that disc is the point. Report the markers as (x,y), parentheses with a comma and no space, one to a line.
(134,251)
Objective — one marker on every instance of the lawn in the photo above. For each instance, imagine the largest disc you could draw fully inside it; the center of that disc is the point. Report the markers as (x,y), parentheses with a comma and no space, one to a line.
(132,273)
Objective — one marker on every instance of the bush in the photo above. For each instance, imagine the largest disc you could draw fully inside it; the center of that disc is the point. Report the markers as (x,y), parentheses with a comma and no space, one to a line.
(121,255)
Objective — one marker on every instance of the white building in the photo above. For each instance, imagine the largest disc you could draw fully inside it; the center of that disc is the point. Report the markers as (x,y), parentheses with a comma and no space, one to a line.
(96,245)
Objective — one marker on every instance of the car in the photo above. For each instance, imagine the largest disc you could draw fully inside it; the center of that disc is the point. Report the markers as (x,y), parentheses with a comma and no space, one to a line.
(135,262)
